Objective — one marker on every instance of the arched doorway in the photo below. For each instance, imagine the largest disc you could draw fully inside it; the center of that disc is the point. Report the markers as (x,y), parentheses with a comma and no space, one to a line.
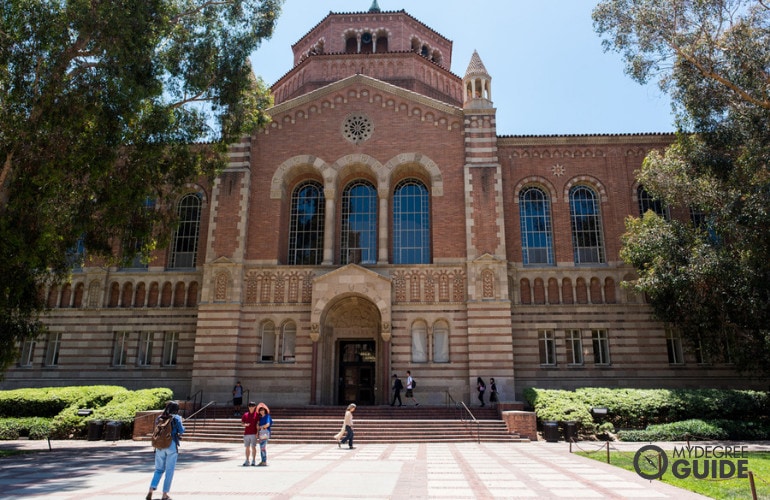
(352,353)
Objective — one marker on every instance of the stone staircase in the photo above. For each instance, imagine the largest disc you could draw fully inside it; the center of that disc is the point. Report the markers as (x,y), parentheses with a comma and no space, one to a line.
(373,424)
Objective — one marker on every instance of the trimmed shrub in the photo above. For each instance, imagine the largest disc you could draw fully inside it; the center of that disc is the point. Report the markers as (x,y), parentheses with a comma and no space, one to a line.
(58,407)
(638,408)
(677,431)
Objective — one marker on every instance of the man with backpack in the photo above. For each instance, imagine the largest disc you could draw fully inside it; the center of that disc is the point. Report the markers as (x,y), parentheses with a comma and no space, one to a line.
(165,440)
(410,385)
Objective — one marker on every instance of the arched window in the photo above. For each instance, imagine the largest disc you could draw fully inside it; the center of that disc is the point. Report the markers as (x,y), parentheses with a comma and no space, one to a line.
(586,222)
(184,247)
(268,342)
(647,202)
(358,227)
(306,225)
(419,342)
(288,341)
(536,232)
(441,342)
(411,223)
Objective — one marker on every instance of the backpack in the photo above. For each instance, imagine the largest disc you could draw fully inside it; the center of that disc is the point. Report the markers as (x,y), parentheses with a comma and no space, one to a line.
(161,435)
(414,383)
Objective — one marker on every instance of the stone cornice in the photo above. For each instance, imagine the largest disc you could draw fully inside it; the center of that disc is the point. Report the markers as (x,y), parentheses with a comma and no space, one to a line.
(371,82)
(564,140)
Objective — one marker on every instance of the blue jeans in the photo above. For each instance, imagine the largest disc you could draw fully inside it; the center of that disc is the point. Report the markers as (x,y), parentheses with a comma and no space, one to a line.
(263,450)
(165,462)
(348,436)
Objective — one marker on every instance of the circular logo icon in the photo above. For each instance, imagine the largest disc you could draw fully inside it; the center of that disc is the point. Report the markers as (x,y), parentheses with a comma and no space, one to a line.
(650,462)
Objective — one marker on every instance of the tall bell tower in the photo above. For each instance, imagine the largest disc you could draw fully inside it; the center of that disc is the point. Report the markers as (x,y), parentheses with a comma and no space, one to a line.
(489,305)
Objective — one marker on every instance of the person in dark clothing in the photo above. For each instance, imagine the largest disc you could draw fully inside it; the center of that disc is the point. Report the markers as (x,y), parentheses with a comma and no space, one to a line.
(492,391)
(481,387)
(397,387)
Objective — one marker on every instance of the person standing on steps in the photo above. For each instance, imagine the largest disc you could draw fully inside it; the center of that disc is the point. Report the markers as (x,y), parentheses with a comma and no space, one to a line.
(410,388)
(397,386)
(250,419)
(347,424)
(238,398)
(165,459)
(493,391)
(481,387)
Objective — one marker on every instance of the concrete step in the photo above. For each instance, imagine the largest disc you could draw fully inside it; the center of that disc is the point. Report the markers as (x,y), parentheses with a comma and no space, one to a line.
(310,430)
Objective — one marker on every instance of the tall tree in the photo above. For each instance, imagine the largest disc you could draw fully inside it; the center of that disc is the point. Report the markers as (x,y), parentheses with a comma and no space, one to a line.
(709,277)
(104,105)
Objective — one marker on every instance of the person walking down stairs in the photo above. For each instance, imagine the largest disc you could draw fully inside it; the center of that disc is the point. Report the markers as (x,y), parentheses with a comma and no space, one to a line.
(397,386)
(481,387)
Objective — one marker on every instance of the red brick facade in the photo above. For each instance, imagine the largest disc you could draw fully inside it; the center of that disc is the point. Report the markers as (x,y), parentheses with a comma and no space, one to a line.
(371,101)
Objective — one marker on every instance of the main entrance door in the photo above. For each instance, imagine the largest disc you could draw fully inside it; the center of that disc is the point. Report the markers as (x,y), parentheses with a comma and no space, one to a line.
(356,372)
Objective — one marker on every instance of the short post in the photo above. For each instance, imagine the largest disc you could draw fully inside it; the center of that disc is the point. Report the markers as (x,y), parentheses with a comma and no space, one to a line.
(753,486)
(608,452)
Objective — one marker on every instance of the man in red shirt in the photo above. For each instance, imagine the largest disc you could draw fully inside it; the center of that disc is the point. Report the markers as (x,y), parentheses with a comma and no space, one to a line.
(250,419)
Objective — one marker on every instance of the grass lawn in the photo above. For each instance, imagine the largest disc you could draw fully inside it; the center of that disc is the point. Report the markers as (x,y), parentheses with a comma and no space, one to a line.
(737,488)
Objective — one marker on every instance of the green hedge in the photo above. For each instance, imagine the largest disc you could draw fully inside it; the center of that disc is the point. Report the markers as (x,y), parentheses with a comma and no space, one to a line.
(640,408)
(18,418)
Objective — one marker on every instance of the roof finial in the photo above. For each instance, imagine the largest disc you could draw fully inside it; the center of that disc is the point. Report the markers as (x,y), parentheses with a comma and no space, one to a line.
(374,7)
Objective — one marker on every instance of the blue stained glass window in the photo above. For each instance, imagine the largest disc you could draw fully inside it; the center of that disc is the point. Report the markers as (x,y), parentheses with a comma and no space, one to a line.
(536,232)
(411,223)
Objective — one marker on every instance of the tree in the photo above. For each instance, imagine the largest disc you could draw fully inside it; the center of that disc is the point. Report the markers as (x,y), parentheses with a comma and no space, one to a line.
(106,105)
(709,277)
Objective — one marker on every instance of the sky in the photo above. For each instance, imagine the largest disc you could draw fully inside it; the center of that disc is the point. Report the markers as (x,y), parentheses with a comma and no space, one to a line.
(550,73)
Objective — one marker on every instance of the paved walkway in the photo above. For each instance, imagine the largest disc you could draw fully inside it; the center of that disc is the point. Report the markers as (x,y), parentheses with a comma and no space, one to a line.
(123,469)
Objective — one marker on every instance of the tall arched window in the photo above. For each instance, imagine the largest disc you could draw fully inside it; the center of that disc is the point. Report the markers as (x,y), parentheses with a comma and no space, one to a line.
(411,223)
(184,248)
(586,222)
(358,227)
(306,224)
(536,233)
(441,342)
(419,342)
(268,342)
(647,202)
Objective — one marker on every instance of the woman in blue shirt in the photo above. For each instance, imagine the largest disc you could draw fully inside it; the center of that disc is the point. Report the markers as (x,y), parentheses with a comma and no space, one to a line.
(265,422)
(165,459)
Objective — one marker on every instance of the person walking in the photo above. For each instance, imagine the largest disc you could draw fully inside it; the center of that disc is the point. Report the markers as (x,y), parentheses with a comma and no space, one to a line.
(493,398)
(165,459)
(410,388)
(347,428)
(250,420)
(397,386)
(238,397)
(481,387)
(265,423)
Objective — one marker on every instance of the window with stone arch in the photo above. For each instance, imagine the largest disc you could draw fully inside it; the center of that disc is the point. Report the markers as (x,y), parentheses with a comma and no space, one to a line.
(419,342)
(586,224)
(441,342)
(648,202)
(411,223)
(184,246)
(536,228)
(288,341)
(306,224)
(267,333)
(358,224)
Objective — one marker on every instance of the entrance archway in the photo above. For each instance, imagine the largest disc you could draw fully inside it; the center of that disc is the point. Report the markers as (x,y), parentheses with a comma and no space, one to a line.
(352,353)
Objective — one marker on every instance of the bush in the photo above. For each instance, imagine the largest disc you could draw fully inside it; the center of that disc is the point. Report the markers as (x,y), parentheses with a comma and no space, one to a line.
(107,402)
(561,406)
(677,431)
(638,408)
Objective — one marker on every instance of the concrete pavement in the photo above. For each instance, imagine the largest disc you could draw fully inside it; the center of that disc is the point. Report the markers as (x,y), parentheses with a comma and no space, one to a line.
(123,469)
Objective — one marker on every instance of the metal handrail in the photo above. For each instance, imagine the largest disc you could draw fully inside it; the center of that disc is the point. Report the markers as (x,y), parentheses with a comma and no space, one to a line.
(472,419)
(195,422)
(194,398)
(462,414)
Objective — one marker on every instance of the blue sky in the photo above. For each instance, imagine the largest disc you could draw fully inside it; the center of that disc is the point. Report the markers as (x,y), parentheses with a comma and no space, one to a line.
(549,72)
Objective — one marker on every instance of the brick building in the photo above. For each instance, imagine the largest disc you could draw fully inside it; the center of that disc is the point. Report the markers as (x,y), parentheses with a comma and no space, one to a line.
(380,224)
